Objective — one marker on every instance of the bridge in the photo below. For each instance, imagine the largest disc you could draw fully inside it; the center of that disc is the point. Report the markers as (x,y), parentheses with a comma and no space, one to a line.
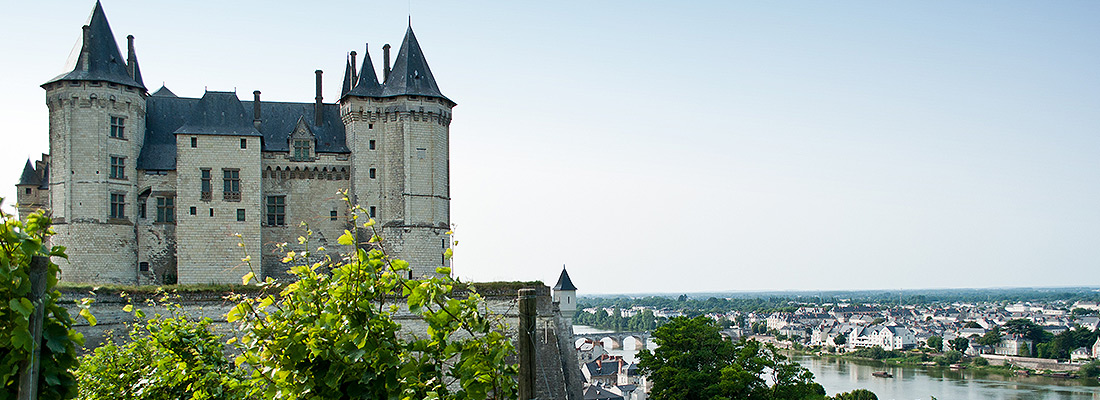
(615,340)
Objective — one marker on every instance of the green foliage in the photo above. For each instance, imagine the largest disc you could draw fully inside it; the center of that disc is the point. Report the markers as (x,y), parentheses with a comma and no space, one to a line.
(334,334)
(858,394)
(991,338)
(935,343)
(165,358)
(840,340)
(1091,370)
(949,357)
(1026,328)
(20,241)
(960,343)
(693,361)
(1061,345)
(877,353)
(640,321)
(981,361)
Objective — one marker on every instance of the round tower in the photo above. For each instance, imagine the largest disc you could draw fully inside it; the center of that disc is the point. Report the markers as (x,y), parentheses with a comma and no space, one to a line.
(97,125)
(398,133)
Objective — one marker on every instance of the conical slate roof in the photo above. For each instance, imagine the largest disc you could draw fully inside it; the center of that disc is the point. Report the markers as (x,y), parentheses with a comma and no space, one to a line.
(104,61)
(564,283)
(29,177)
(410,74)
(347,80)
(219,113)
(367,86)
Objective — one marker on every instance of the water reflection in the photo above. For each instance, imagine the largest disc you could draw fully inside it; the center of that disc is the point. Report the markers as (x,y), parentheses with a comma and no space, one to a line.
(842,375)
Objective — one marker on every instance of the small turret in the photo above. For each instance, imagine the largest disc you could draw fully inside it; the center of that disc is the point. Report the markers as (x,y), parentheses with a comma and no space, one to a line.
(565,294)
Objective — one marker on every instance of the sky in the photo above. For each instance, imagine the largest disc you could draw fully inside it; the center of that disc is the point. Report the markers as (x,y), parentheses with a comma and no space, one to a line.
(684,146)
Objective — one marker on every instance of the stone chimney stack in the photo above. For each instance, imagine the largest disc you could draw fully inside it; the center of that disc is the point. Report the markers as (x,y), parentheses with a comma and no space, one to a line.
(354,70)
(131,56)
(385,63)
(317,107)
(256,109)
(86,48)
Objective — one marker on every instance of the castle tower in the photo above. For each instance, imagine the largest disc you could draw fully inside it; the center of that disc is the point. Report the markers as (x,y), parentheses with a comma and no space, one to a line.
(398,133)
(97,125)
(565,294)
(31,191)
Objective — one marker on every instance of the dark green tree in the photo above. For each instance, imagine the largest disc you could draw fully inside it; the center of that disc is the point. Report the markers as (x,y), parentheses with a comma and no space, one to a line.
(692,361)
(858,394)
(935,343)
(840,340)
(960,343)
(991,338)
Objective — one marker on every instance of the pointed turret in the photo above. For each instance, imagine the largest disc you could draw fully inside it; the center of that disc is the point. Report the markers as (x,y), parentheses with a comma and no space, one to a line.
(367,85)
(410,74)
(99,58)
(163,92)
(347,79)
(29,177)
(565,294)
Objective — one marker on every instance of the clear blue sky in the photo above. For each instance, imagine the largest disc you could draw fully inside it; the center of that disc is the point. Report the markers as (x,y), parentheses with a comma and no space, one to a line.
(668,146)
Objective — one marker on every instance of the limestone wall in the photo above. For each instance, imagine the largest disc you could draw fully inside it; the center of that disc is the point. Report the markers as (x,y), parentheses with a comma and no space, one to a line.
(207,245)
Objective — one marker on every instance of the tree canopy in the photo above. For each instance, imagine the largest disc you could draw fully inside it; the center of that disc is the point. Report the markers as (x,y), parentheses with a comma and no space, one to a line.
(693,361)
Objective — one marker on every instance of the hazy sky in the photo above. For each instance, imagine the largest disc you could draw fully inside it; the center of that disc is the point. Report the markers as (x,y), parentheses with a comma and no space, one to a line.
(684,146)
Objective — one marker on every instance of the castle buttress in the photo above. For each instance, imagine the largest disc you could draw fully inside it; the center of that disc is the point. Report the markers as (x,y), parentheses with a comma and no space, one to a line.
(154,188)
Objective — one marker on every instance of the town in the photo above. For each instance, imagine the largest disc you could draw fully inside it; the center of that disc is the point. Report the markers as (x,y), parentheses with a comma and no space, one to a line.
(1058,337)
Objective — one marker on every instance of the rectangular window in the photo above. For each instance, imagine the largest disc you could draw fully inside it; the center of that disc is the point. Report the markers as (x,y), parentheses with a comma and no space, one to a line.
(204,193)
(301,149)
(141,208)
(193,210)
(118,205)
(372,211)
(143,266)
(166,209)
(370,144)
(421,153)
(240,214)
(118,127)
(276,210)
(372,174)
(118,167)
(332,215)
(244,143)
(211,212)
(231,189)
(194,142)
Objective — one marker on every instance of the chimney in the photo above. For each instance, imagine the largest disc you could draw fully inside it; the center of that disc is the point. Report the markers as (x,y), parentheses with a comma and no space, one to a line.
(317,108)
(256,109)
(386,63)
(86,48)
(354,71)
(131,56)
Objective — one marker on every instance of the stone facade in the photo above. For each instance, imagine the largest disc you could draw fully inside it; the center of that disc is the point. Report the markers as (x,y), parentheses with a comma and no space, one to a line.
(154,188)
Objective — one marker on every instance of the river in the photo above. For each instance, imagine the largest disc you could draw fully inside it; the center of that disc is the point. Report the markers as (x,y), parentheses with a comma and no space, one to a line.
(840,375)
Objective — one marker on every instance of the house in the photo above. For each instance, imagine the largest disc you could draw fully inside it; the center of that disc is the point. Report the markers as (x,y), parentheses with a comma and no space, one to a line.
(887,337)
(1014,346)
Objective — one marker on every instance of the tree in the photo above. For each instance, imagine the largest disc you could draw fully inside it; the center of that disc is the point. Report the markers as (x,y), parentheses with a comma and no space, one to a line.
(960,343)
(858,394)
(840,340)
(692,361)
(935,343)
(991,338)
(1026,328)
(20,243)
(972,325)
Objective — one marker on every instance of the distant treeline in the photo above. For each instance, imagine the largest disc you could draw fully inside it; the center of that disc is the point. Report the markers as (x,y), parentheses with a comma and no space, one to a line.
(785,301)
(614,320)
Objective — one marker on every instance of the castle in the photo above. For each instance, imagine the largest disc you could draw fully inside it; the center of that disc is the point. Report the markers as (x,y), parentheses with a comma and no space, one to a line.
(155,188)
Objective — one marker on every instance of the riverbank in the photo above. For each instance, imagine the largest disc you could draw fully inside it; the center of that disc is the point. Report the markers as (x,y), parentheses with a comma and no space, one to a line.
(986,363)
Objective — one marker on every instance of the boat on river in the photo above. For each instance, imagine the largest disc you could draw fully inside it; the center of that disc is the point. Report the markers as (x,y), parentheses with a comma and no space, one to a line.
(882,374)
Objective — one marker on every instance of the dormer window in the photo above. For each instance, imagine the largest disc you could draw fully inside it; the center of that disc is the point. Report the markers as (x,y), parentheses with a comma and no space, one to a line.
(301,150)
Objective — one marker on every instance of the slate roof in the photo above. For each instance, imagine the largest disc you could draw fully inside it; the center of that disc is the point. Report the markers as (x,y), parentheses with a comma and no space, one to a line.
(598,393)
(218,113)
(410,74)
(166,115)
(104,62)
(29,177)
(164,92)
(564,283)
(367,85)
